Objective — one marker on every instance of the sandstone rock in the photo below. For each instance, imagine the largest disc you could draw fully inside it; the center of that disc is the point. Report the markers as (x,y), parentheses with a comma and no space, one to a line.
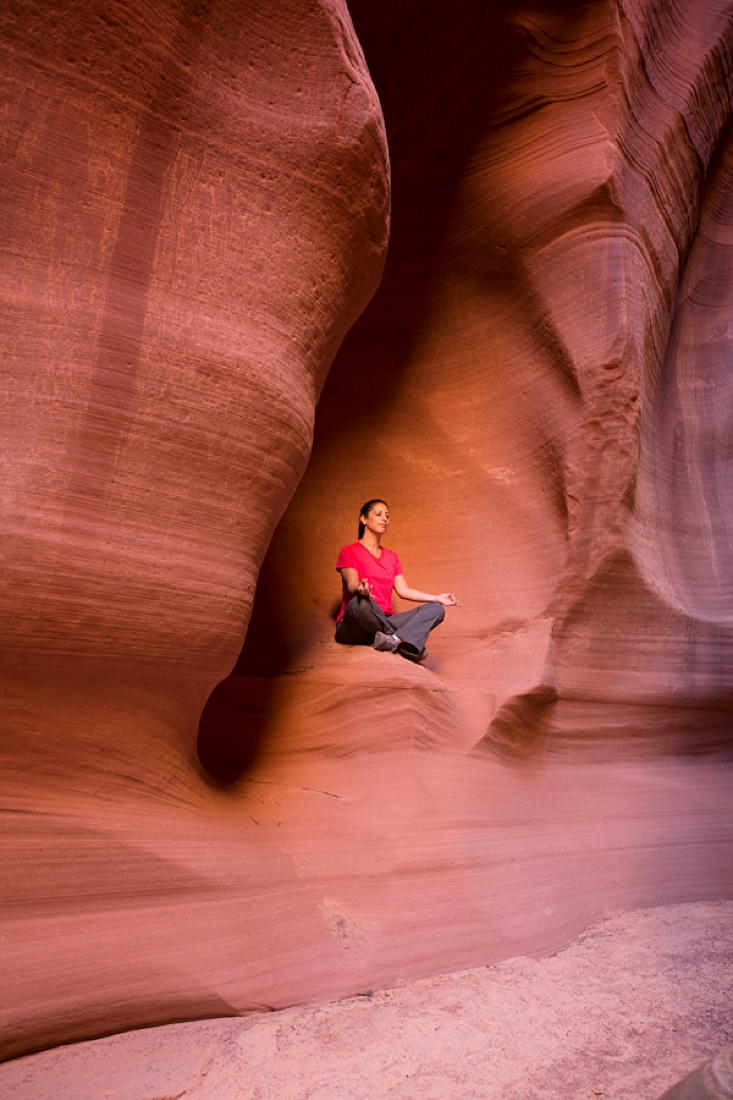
(558,210)
(193,224)
(528,406)
(194,211)
(618,1013)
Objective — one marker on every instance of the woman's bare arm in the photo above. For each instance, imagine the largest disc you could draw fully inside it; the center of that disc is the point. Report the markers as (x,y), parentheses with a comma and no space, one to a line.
(403,590)
(352,585)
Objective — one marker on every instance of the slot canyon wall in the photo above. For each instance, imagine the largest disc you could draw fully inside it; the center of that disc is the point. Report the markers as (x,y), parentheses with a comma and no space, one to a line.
(195,211)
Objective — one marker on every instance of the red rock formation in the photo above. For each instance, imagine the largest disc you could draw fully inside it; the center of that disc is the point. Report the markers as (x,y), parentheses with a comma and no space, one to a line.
(536,390)
(529,404)
(194,212)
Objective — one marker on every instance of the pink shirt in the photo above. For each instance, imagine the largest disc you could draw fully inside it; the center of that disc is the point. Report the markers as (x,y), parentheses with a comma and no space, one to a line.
(380,572)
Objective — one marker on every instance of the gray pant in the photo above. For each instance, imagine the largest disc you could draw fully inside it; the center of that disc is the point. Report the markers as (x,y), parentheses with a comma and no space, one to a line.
(363,617)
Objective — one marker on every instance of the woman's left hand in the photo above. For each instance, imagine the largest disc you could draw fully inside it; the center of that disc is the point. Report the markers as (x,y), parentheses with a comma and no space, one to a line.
(448,599)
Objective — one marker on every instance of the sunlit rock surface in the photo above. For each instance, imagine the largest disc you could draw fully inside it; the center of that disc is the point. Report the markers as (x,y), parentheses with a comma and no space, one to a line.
(540,391)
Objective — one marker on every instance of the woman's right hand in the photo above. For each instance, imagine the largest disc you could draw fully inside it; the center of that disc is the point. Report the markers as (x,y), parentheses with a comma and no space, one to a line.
(448,599)
(364,588)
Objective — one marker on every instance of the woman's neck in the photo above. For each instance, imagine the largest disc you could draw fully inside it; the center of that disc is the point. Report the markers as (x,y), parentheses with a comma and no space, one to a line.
(371,542)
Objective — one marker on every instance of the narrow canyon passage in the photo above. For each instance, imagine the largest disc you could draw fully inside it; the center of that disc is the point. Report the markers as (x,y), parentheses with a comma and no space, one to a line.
(212,359)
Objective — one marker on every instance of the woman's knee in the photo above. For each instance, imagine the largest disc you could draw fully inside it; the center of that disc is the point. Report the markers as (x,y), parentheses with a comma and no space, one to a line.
(439,611)
(350,632)
(359,619)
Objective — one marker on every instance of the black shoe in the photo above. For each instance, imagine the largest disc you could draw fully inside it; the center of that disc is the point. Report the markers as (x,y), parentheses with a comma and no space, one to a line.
(412,654)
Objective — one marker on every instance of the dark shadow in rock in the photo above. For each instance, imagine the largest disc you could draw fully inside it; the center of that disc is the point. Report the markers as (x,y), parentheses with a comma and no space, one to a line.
(233,725)
(234,720)
(711,1081)
(518,731)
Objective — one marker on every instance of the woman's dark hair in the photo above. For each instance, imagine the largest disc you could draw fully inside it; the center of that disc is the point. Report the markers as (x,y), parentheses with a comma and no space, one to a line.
(366,509)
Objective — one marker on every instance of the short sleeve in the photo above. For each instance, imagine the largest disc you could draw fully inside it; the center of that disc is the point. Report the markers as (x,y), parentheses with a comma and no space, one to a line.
(397,566)
(347,558)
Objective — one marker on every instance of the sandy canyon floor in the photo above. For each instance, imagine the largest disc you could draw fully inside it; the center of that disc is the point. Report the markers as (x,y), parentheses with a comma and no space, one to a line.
(628,1008)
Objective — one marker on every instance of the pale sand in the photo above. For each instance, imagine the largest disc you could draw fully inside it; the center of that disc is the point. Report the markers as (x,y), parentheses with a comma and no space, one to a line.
(632,1005)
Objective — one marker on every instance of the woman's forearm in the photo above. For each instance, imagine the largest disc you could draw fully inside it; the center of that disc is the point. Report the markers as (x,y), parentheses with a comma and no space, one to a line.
(447,599)
(415,596)
(353,586)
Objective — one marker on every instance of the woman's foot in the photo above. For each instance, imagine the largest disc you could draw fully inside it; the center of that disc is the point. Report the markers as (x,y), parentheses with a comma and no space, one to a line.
(386,643)
(411,654)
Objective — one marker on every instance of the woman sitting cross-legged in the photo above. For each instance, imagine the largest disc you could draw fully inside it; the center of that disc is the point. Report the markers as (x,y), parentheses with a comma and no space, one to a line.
(369,573)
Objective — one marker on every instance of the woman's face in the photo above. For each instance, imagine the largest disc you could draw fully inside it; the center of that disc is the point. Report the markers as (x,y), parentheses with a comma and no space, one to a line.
(378,519)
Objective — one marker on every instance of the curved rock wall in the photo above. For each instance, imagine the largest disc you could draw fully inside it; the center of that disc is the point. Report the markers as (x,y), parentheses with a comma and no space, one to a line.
(538,390)
(194,211)
(552,192)
(524,400)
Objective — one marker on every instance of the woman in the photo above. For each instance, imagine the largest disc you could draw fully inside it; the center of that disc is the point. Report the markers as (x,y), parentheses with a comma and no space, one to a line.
(369,572)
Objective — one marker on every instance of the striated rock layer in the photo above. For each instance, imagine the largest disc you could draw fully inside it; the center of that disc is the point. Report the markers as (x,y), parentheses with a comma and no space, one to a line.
(194,211)
(195,214)
(545,404)
(626,1009)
